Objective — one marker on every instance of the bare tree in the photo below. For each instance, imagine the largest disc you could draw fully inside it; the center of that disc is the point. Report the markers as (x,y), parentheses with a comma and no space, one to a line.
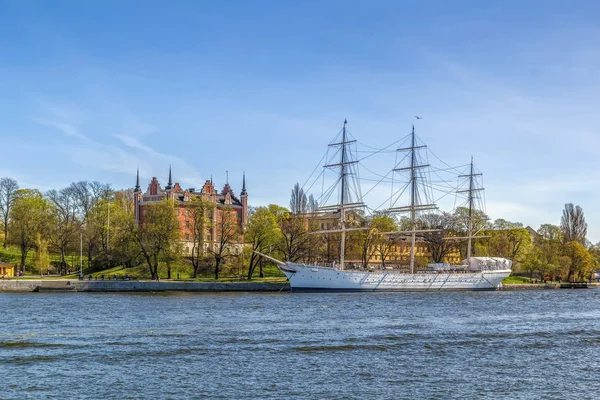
(227,237)
(312,204)
(573,225)
(295,240)
(8,187)
(298,200)
(199,224)
(65,210)
(440,225)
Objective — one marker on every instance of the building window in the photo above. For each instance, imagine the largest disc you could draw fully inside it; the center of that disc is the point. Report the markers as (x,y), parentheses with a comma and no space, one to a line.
(187,223)
(187,213)
(187,237)
(176,212)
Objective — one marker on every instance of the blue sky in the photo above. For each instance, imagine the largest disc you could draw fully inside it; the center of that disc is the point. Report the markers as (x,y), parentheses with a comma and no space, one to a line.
(92,90)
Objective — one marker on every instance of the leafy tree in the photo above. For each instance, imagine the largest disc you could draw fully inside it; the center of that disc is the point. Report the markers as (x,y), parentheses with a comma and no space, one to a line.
(227,237)
(91,198)
(573,225)
(8,189)
(29,218)
(461,218)
(262,233)
(382,225)
(199,224)
(41,259)
(298,201)
(124,247)
(581,261)
(158,235)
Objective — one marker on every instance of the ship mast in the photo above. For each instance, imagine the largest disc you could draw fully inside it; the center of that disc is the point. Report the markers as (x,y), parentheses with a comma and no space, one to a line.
(414,201)
(470,197)
(343,197)
(343,179)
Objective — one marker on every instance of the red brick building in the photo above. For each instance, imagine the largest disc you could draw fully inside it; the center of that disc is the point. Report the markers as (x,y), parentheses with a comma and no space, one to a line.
(226,203)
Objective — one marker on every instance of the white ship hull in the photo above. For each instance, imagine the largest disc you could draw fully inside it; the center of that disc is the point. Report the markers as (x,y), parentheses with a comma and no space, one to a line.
(315,278)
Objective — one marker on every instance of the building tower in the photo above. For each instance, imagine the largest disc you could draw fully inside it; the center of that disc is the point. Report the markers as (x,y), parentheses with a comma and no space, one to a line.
(169,187)
(244,201)
(137,198)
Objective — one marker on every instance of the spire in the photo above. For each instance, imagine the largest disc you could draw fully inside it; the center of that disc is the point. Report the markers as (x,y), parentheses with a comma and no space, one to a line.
(170,183)
(137,181)
(244,184)
(211,182)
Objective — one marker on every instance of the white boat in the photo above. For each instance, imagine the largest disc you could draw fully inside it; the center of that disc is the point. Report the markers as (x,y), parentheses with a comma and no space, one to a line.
(489,276)
(475,273)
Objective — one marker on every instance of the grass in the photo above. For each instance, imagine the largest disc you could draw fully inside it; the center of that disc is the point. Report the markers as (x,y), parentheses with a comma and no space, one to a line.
(516,280)
(183,272)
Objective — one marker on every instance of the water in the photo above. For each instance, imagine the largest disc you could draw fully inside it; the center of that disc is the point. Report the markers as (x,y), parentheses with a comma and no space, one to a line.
(509,345)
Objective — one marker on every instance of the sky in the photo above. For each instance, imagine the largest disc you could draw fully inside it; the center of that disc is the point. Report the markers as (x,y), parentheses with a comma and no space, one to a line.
(94,90)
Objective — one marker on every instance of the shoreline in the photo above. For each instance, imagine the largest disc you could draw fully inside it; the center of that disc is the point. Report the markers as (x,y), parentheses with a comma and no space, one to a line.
(75,285)
(112,286)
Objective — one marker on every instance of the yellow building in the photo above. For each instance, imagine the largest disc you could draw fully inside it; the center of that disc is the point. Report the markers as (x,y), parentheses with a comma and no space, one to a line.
(6,270)
(397,250)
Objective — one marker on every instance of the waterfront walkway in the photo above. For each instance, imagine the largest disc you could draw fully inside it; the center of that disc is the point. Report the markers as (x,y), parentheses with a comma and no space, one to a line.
(74,285)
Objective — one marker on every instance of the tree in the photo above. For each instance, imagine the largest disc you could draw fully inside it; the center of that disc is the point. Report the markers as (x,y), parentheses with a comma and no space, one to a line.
(92,209)
(66,223)
(573,225)
(366,240)
(298,201)
(479,223)
(29,218)
(124,248)
(227,236)
(262,233)
(436,241)
(41,260)
(158,235)
(581,261)
(199,224)
(383,224)
(312,204)
(294,240)
(8,188)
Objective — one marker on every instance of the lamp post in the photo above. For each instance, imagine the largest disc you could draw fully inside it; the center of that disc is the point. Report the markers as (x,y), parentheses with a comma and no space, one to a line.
(80,253)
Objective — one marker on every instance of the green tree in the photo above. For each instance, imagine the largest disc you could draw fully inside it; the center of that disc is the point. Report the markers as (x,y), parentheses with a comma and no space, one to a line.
(158,235)
(124,249)
(262,233)
(29,217)
(383,225)
(92,208)
(41,260)
(582,264)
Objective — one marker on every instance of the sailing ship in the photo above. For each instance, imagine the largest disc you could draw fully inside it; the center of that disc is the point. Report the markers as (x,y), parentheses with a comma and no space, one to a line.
(475,273)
